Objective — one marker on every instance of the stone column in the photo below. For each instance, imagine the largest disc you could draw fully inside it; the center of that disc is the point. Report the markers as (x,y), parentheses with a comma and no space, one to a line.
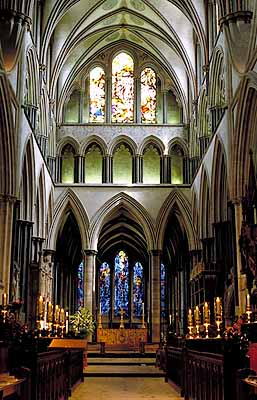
(164,106)
(89,280)
(58,169)
(241,278)
(79,168)
(165,169)
(6,224)
(155,265)
(137,172)
(107,169)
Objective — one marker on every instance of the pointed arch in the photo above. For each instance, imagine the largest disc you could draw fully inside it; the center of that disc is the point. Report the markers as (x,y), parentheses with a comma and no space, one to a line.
(205,206)
(137,211)
(40,208)
(94,139)
(68,200)
(178,142)
(155,141)
(219,186)
(176,199)
(28,182)
(122,139)
(68,140)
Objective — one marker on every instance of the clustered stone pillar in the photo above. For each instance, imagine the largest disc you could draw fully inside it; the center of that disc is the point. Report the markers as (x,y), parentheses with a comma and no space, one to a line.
(89,280)
(137,172)
(155,264)
(107,169)
(6,224)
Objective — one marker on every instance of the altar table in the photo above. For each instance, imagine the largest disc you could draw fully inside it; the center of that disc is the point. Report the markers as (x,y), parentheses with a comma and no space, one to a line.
(130,337)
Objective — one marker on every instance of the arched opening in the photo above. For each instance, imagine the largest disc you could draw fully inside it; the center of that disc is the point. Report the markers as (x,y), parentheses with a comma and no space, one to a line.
(122,164)
(151,165)
(148,96)
(93,164)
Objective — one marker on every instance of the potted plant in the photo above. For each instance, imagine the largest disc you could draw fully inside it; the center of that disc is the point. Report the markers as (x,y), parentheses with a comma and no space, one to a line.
(82,322)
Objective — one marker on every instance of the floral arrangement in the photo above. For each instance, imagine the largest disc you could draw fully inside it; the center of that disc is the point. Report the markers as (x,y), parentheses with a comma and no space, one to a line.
(83,322)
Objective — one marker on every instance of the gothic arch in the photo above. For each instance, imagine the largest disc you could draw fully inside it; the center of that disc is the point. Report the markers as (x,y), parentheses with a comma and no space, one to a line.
(32,75)
(27,182)
(205,206)
(136,210)
(219,186)
(176,199)
(68,200)
(94,139)
(156,142)
(180,143)
(122,139)
(245,134)
(68,140)
(202,114)
(216,85)
(40,207)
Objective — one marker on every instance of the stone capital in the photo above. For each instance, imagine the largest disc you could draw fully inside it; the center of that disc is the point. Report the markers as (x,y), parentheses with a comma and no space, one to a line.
(89,252)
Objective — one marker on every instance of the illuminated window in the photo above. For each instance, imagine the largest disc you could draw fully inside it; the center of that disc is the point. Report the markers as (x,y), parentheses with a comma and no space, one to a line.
(151,165)
(121,284)
(105,288)
(97,95)
(93,165)
(122,88)
(80,285)
(68,164)
(122,165)
(163,290)
(138,290)
(148,96)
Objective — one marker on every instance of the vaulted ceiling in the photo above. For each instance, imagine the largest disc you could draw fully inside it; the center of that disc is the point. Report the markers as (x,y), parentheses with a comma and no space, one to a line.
(166,30)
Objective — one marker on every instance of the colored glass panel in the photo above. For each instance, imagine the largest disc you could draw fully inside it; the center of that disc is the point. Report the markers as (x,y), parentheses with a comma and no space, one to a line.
(148,96)
(80,285)
(97,95)
(138,289)
(105,288)
(121,284)
(163,290)
(122,88)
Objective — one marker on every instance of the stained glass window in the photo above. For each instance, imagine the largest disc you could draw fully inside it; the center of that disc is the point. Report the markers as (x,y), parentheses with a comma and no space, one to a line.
(97,95)
(138,290)
(122,88)
(121,284)
(163,291)
(80,285)
(105,288)
(148,96)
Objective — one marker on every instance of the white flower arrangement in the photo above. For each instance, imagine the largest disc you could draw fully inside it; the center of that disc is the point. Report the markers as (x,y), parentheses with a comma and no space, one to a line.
(82,321)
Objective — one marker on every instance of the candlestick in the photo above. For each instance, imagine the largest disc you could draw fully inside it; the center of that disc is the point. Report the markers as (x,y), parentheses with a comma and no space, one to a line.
(206,313)
(248,304)
(190,317)
(197,320)
(40,306)
(170,319)
(4,300)
(100,308)
(67,323)
(56,314)
(218,309)
(62,319)
(49,312)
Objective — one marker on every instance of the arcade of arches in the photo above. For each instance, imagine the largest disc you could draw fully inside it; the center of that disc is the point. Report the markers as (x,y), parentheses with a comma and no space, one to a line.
(128,142)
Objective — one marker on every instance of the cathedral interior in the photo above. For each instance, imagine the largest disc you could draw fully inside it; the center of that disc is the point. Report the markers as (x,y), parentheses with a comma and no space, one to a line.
(128,160)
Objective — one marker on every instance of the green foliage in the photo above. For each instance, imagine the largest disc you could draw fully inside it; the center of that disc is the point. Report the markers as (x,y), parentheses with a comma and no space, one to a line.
(83,321)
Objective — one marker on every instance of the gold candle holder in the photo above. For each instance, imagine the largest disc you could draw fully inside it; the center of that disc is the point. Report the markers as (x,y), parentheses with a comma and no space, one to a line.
(248,308)
(218,314)
(190,322)
(207,317)
(197,316)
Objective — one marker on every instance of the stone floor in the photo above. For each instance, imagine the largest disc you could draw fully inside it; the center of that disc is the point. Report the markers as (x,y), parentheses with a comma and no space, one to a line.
(127,388)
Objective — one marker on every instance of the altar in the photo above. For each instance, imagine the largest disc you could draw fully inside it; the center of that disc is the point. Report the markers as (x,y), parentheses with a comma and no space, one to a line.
(127,337)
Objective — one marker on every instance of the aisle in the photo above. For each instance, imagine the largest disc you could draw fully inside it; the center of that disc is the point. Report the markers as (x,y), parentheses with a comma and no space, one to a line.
(127,388)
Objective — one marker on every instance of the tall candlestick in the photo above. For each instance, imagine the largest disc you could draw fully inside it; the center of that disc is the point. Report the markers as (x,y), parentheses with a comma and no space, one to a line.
(218,308)
(67,322)
(197,316)
(170,319)
(143,308)
(248,304)
(206,313)
(40,306)
(49,312)
(62,316)
(56,314)
(4,300)
(190,317)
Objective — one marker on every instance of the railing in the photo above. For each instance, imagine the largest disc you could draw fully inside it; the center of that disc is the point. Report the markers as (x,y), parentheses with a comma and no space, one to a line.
(175,366)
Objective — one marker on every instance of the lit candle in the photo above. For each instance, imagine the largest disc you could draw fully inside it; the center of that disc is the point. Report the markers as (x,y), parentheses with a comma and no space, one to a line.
(62,316)
(4,300)
(197,316)
(100,309)
(170,319)
(67,322)
(248,300)
(218,308)
(206,313)
(190,317)
(143,308)
(56,314)
(50,312)
(40,305)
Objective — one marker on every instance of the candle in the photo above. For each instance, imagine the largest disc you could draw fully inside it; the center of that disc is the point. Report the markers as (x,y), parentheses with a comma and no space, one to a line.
(100,309)
(218,308)
(248,305)
(67,322)
(62,316)
(143,308)
(50,312)
(190,317)
(4,300)
(197,316)
(206,313)
(56,314)
(170,319)
(40,305)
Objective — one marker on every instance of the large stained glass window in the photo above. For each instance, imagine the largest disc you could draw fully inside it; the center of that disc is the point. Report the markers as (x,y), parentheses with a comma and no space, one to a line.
(105,288)
(148,96)
(80,285)
(138,290)
(122,88)
(163,291)
(121,284)
(97,95)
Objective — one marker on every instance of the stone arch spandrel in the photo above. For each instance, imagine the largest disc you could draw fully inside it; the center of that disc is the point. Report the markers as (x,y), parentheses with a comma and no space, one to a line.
(68,140)
(152,140)
(182,203)
(68,200)
(137,211)
(122,139)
